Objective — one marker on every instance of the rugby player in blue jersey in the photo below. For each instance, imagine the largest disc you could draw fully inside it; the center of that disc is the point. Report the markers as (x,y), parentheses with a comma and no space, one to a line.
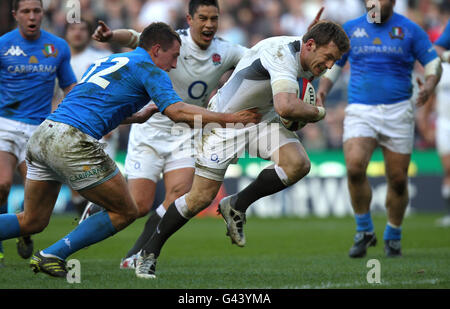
(384,48)
(65,147)
(30,61)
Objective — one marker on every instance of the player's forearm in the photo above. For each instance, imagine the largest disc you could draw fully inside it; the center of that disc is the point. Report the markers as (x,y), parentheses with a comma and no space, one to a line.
(196,116)
(325,86)
(305,112)
(288,106)
(431,82)
(141,116)
(125,38)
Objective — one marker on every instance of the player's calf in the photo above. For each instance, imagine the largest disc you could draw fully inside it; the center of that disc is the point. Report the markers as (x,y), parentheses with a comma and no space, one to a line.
(124,217)
(5,187)
(30,225)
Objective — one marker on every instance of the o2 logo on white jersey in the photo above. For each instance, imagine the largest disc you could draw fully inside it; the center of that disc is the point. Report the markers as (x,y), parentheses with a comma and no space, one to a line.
(215,158)
(197,90)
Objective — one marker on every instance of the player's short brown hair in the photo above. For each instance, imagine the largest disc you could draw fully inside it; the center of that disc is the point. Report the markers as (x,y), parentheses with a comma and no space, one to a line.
(326,31)
(194,4)
(158,33)
(17,2)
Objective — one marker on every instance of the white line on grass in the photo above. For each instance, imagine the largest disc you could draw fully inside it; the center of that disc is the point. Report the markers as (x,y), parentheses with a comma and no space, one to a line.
(332,285)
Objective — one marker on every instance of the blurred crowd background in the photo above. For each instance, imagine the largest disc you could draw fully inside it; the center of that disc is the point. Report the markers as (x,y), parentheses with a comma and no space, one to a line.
(246,22)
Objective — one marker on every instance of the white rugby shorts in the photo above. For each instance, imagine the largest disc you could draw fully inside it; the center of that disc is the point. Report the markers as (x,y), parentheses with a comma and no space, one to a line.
(392,125)
(443,135)
(14,136)
(152,151)
(59,152)
(223,146)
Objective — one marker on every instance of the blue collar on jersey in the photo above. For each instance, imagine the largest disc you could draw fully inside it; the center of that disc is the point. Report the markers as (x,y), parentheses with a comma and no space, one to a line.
(141,51)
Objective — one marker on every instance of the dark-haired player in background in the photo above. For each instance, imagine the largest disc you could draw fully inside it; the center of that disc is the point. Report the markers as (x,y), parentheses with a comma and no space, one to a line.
(384,48)
(30,61)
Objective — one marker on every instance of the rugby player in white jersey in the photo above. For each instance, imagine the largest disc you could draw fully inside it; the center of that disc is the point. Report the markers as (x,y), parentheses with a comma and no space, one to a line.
(158,146)
(266,78)
(442,46)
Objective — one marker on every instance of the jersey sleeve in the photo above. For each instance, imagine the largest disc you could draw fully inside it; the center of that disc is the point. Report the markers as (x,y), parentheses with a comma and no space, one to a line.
(422,47)
(444,39)
(159,87)
(65,73)
(281,65)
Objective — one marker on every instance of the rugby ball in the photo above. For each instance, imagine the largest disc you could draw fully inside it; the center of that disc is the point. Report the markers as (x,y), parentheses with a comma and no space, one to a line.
(307,94)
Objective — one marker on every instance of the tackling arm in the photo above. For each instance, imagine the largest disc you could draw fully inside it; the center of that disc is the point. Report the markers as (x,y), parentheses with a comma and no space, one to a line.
(191,114)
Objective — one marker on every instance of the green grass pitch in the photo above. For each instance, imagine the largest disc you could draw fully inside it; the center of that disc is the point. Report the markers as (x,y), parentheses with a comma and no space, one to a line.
(285,253)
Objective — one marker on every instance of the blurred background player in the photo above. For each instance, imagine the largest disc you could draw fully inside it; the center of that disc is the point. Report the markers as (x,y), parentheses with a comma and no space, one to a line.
(155,147)
(78,36)
(442,46)
(30,61)
(65,147)
(267,78)
(384,48)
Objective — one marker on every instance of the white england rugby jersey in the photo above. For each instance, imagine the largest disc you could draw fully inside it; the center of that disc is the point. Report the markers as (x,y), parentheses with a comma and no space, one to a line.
(250,86)
(198,72)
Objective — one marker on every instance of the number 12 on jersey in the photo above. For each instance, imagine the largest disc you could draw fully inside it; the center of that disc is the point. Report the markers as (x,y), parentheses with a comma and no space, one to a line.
(97,78)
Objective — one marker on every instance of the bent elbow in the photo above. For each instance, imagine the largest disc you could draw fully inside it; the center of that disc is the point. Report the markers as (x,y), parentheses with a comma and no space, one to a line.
(175,112)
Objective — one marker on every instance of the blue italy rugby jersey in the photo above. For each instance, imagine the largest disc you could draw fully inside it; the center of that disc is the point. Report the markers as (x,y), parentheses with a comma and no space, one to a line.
(382,59)
(444,39)
(28,69)
(113,89)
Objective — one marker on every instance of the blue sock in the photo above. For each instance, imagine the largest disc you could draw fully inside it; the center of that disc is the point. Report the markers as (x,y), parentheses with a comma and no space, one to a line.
(9,226)
(3,210)
(392,233)
(92,230)
(364,223)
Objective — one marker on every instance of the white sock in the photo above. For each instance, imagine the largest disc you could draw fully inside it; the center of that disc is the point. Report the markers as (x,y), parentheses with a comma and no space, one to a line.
(182,207)
(445,191)
(161,211)
(393,225)
(282,174)
(49,255)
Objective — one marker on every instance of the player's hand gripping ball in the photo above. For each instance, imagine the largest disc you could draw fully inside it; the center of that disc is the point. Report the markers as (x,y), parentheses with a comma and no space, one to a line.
(307,94)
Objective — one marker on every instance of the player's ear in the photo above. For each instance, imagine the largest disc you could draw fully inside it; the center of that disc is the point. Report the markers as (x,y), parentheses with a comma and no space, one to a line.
(189,19)
(311,44)
(155,49)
